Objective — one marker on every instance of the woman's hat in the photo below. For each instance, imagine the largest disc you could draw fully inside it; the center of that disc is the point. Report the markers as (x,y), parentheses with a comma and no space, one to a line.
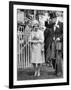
(35,22)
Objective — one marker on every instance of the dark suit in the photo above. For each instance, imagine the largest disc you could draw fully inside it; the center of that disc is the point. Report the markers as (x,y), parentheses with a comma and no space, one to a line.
(59,31)
(59,51)
(48,39)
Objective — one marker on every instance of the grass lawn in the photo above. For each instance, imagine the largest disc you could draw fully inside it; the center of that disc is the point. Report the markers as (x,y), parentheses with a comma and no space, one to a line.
(28,74)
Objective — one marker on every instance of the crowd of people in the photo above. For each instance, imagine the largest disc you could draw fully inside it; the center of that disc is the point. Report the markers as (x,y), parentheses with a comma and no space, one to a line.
(47,39)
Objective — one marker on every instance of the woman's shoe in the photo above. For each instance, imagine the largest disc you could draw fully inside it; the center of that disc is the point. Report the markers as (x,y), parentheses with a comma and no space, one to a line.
(35,73)
(38,74)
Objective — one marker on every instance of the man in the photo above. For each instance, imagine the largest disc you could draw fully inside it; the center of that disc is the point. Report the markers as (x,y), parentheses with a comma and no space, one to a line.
(58,41)
(52,35)
(48,39)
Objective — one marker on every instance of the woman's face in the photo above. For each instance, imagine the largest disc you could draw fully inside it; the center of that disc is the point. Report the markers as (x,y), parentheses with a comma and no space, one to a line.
(35,27)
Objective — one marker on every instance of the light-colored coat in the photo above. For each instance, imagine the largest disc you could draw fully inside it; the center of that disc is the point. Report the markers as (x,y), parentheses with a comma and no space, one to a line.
(37,40)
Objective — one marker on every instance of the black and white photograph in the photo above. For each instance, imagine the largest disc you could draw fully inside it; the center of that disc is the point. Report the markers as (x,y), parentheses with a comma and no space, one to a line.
(39,44)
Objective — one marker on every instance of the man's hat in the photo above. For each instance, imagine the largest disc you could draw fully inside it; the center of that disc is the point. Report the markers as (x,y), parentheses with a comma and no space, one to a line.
(52,15)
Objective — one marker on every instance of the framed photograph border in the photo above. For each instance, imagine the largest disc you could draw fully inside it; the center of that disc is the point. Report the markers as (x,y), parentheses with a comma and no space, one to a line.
(11,3)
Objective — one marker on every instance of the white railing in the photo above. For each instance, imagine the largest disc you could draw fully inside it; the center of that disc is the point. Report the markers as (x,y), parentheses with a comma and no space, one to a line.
(23,52)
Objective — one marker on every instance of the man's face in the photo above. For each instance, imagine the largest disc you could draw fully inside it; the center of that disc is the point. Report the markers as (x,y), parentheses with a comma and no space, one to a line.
(54,20)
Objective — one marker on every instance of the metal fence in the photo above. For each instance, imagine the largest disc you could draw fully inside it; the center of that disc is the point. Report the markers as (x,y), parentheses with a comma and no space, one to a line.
(23,51)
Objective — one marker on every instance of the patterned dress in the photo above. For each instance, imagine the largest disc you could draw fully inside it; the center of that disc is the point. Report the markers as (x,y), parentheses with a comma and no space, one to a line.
(36,48)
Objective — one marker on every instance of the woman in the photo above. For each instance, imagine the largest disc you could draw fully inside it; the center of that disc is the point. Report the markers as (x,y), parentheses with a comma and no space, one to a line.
(36,40)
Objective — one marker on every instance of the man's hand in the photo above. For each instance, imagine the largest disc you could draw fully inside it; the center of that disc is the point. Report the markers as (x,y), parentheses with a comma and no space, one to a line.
(58,39)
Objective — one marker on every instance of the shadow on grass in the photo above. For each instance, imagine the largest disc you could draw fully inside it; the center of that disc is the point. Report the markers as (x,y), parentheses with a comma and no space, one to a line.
(28,74)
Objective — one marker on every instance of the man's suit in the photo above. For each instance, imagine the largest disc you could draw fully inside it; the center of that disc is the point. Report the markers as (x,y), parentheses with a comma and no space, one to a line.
(48,39)
(49,33)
